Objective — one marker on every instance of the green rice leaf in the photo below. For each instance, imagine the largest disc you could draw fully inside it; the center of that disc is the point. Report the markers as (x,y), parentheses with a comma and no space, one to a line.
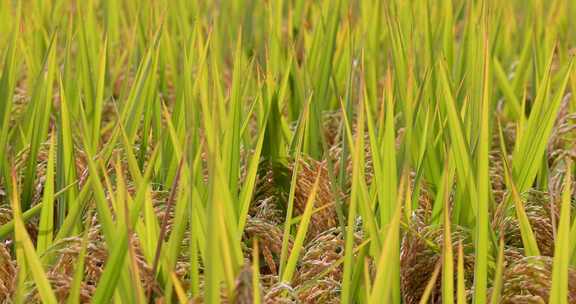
(46,226)
(559,288)
(21,236)
(300,234)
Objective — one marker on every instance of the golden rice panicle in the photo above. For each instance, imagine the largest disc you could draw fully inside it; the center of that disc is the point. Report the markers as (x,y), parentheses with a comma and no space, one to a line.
(324,216)
(269,236)
(8,274)
(529,281)
(420,253)
(543,215)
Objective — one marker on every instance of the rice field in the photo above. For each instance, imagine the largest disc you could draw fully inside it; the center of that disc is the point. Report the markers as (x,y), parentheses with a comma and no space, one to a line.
(287,151)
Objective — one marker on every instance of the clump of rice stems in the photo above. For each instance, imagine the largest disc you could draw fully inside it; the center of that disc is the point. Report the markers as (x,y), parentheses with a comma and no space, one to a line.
(529,281)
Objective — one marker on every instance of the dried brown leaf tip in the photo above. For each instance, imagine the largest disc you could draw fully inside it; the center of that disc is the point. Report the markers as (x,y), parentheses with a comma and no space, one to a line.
(529,281)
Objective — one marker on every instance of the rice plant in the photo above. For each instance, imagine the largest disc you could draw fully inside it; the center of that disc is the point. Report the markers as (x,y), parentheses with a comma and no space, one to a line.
(287,151)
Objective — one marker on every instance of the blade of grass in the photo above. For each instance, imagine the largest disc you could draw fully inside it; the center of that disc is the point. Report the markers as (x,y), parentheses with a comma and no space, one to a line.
(447,255)
(483,183)
(381,287)
(532,144)
(430,285)
(7,85)
(256,273)
(460,280)
(75,288)
(181,294)
(498,275)
(526,232)
(99,98)
(23,239)
(301,234)
(352,208)
(46,226)
(291,195)
(66,170)
(41,107)
(561,262)
(119,243)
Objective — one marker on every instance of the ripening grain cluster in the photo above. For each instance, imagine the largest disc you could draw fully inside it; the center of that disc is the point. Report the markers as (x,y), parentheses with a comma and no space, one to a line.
(287,151)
